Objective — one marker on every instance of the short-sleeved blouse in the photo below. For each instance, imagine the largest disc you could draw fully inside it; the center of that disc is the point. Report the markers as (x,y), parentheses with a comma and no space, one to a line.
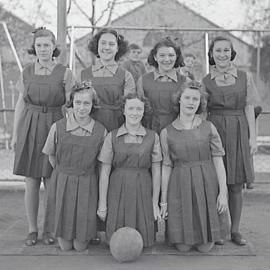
(215,141)
(160,77)
(106,154)
(73,127)
(101,70)
(68,80)
(229,76)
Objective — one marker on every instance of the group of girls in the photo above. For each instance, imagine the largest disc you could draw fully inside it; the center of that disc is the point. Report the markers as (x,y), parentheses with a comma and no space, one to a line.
(131,154)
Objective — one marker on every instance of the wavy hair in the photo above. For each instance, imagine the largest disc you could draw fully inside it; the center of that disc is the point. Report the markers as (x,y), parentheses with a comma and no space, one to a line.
(210,52)
(43,32)
(194,85)
(121,42)
(167,42)
(80,87)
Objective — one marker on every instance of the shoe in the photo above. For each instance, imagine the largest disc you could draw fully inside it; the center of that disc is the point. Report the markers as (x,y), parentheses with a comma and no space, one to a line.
(47,238)
(237,238)
(250,186)
(95,241)
(31,239)
(220,242)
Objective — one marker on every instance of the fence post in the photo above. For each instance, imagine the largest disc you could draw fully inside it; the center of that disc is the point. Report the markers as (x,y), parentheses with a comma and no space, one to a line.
(3,103)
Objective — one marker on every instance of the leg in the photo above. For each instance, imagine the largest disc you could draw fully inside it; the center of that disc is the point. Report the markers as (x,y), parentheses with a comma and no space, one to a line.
(65,245)
(80,246)
(47,237)
(235,206)
(31,199)
(204,248)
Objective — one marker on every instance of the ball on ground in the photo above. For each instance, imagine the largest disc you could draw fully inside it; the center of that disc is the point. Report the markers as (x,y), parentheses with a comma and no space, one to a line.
(126,244)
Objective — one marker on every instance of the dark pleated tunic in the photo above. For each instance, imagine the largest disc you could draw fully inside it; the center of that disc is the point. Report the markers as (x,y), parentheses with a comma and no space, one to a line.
(130,187)
(43,95)
(160,95)
(193,187)
(73,191)
(109,91)
(226,106)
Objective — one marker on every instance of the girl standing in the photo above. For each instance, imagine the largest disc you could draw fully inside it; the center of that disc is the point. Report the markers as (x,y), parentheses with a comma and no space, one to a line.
(127,155)
(232,96)
(72,146)
(193,190)
(159,85)
(43,91)
(108,78)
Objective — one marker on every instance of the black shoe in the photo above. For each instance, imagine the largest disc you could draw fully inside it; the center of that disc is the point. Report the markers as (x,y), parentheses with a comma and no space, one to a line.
(95,241)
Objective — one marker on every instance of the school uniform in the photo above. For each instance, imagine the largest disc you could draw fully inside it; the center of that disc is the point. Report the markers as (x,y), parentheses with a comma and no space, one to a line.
(193,184)
(73,191)
(111,82)
(44,93)
(229,93)
(130,186)
(159,89)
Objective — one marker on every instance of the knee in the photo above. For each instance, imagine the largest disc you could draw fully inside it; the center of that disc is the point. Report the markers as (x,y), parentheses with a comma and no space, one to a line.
(80,246)
(65,245)
(204,248)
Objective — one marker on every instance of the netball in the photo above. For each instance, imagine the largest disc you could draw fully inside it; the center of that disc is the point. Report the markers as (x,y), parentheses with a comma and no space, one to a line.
(126,244)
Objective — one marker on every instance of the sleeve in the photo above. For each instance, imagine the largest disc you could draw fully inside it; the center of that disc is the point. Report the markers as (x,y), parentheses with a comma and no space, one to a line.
(253,97)
(19,85)
(130,86)
(156,152)
(215,142)
(140,86)
(51,141)
(69,81)
(106,152)
(165,148)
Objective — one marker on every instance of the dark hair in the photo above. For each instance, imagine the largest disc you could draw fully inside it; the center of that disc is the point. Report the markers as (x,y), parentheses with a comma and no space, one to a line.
(210,52)
(145,100)
(186,55)
(121,42)
(166,43)
(195,85)
(134,46)
(82,86)
(43,32)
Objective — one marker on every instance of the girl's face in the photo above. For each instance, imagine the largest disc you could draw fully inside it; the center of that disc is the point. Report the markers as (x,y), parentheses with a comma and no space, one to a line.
(44,48)
(165,57)
(190,101)
(222,53)
(82,104)
(107,47)
(133,111)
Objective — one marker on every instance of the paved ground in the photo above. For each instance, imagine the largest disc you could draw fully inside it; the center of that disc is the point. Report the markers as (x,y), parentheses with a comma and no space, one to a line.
(13,228)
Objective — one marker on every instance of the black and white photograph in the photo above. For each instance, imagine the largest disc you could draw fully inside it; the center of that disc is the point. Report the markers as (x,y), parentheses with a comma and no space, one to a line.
(135,134)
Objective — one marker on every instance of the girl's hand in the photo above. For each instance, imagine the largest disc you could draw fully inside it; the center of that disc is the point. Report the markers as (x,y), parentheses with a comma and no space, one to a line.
(222,202)
(13,142)
(102,214)
(164,210)
(156,211)
(253,145)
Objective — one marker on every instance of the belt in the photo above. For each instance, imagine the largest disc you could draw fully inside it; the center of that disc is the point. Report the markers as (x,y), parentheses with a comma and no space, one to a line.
(191,163)
(75,171)
(227,112)
(43,109)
